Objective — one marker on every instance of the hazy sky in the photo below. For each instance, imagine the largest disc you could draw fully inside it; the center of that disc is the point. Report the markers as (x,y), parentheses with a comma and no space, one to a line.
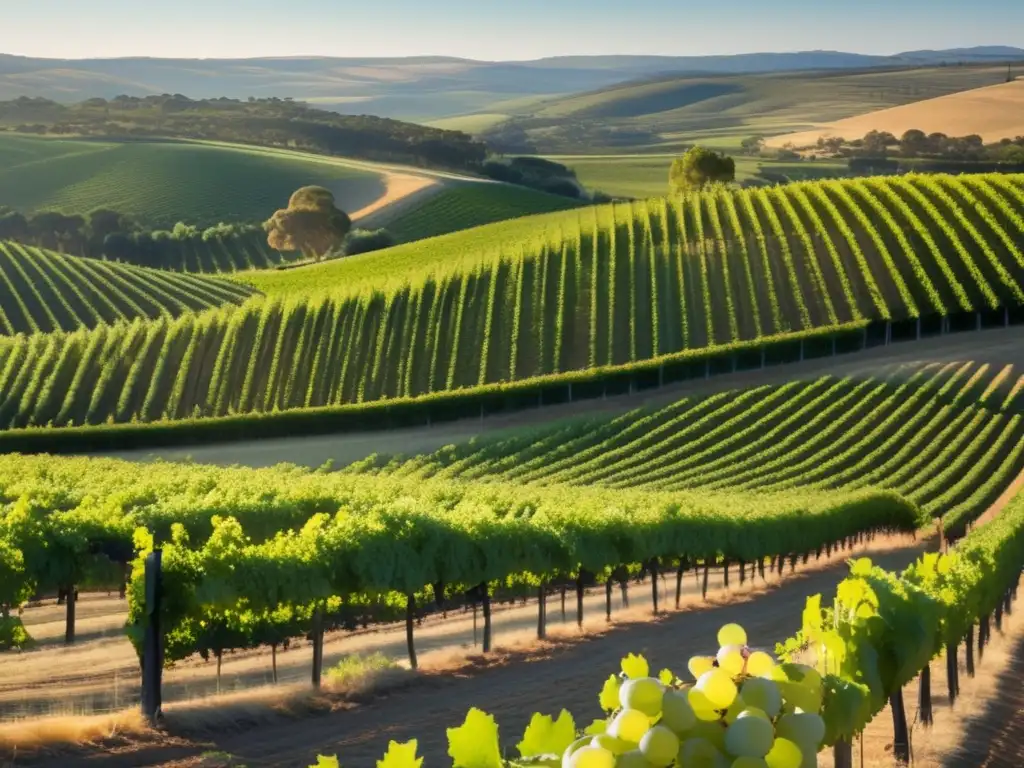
(498,29)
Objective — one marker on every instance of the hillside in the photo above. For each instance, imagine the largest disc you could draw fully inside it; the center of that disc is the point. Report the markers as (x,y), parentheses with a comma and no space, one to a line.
(994,112)
(608,286)
(45,291)
(415,87)
(161,183)
(669,112)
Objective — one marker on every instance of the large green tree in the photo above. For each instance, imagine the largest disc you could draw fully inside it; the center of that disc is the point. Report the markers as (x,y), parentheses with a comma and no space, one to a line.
(699,167)
(311,224)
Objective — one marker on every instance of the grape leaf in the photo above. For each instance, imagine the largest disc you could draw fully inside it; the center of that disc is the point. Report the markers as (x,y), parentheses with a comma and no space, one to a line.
(323,761)
(596,728)
(545,736)
(401,756)
(635,666)
(474,744)
(666,677)
(609,697)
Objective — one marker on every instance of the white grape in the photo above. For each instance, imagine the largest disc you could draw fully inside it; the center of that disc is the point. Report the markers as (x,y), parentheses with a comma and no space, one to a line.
(660,746)
(749,736)
(642,693)
(763,694)
(676,712)
(592,757)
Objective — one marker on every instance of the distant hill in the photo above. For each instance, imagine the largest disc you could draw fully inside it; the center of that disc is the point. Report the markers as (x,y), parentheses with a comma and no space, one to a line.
(413,88)
(994,113)
(668,112)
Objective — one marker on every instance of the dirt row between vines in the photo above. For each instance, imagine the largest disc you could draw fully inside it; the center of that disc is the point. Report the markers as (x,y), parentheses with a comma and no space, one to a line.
(1004,346)
(519,677)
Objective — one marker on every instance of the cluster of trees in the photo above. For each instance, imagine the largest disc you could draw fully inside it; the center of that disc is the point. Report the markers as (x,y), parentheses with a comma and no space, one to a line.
(937,146)
(698,167)
(268,122)
(536,173)
(106,233)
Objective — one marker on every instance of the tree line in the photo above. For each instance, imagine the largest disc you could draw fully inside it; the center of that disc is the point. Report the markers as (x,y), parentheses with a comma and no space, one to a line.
(266,122)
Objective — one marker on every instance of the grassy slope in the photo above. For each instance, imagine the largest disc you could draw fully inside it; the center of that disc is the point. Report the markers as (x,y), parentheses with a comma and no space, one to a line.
(164,182)
(45,291)
(463,206)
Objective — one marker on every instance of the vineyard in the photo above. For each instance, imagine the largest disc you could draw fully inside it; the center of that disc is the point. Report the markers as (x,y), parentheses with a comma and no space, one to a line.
(949,438)
(719,273)
(43,291)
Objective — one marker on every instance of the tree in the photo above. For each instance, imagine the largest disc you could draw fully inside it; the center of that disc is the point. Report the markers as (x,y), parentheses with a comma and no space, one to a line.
(311,224)
(752,145)
(913,142)
(699,167)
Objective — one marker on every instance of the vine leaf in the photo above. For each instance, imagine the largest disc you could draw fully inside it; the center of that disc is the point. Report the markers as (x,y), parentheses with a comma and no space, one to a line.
(666,677)
(609,697)
(474,744)
(546,736)
(322,761)
(596,728)
(401,756)
(635,666)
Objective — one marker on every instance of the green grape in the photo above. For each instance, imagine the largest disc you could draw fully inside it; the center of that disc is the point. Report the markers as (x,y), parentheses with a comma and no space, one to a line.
(738,705)
(784,753)
(703,709)
(660,746)
(713,732)
(749,762)
(614,745)
(750,736)
(572,748)
(799,688)
(730,658)
(676,712)
(698,665)
(759,663)
(699,753)
(806,729)
(629,725)
(644,694)
(763,694)
(719,688)
(633,759)
(732,634)
(592,757)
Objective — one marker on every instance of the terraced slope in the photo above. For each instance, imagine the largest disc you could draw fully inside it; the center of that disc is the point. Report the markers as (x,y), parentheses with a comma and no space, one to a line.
(607,286)
(948,437)
(43,291)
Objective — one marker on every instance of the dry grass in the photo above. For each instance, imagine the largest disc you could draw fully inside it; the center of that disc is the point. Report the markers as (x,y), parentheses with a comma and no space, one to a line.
(995,112)
(397,187)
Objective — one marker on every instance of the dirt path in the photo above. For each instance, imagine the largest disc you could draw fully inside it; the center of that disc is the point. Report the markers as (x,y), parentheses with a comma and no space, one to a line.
(999,346)
(545,677)
(400,191)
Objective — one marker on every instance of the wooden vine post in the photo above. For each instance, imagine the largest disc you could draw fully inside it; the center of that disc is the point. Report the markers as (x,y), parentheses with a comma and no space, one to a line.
(542,610)
(901,734)
(485,599)
(410,617)
(153,641)
(842,753)
(579,599)
(317,636)
(654,584)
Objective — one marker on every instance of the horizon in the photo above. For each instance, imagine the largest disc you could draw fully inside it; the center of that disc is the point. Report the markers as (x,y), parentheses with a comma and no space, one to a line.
(462,29)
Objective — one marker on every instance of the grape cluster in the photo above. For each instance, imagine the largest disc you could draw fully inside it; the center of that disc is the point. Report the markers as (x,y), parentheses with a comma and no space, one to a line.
(742,711)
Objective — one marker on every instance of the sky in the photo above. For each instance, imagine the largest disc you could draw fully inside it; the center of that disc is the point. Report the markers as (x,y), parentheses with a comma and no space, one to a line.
(498,29)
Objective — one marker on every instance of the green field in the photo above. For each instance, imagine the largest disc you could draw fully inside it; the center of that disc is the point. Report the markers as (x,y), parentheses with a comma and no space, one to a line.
(609,286)
(43,291)
(464,206)
(161,183)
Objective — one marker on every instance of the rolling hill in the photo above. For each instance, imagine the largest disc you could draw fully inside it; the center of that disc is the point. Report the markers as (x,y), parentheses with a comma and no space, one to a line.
(670,281)
(994,112)
(43,291)
(163,182)
(416,87)
(669,112)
